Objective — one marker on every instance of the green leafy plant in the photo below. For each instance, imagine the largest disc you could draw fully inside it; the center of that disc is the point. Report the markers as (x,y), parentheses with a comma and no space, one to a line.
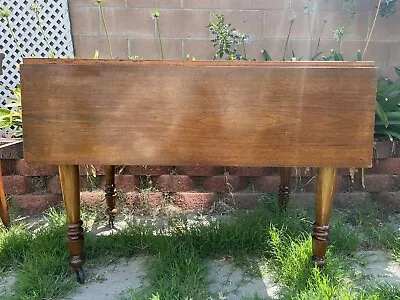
(387,8)
(228,40)
(11,117)
(387,120)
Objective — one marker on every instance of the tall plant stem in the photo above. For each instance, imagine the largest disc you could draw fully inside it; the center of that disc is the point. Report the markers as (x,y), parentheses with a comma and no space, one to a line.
(244,49)
(310,34)
(52,54)
(287,39)
(372,28)
(319,38)
(159,37)
(14,37)
(105,29)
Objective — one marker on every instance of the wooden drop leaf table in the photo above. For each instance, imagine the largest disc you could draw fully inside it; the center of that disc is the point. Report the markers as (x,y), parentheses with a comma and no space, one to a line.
(203,113)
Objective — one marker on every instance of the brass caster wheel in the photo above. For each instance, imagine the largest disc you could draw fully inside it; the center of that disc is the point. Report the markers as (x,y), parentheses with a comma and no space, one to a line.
(80,275)
(111,221)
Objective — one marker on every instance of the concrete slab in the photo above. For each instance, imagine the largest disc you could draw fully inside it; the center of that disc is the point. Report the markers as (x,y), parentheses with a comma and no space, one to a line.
(378,266)
(229,282)
(113,281)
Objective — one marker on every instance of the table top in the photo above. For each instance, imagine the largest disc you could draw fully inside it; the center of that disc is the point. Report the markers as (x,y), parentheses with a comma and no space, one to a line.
(198,113)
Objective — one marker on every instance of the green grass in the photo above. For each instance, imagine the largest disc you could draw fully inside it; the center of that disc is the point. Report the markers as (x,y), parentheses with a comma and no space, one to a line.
(177,268)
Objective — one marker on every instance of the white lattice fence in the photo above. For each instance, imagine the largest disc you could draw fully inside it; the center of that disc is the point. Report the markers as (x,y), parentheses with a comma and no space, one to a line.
(54,19)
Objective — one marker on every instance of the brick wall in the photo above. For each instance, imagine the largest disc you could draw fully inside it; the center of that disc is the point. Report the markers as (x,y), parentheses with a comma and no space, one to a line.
(183,30)
(35,188)
(183,22)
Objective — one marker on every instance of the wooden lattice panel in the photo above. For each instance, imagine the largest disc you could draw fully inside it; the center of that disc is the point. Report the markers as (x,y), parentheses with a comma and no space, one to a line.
(54,18)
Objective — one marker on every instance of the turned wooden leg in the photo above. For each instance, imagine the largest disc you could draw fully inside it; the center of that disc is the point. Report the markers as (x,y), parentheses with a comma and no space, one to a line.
(110,194)
(5,217)
(69,177)
(284,187)
(325,193)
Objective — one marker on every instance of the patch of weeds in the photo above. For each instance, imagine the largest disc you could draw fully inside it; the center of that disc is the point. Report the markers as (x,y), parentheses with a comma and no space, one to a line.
(120,200)
(142,294)
(302,280)
(15,246)
(45,272)
(345,239)
(382,291)
(178,273)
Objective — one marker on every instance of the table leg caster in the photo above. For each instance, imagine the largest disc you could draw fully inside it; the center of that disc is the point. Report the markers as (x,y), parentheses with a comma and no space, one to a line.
(80,275)
(111,221)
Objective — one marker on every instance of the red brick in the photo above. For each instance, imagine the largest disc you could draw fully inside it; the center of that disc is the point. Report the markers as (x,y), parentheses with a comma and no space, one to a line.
(200,171)
(174,183)
(388,201)
(309,184)
(92,197)
(135,200)
(388,166)
(54,185)
(32,204)
(246,200)
(267,183)
(247,171)
(148,170)
(126,183)
(25,169)
(222,184)
(194,200)
(379,183)
(8,167)
(17,185)
(354,199)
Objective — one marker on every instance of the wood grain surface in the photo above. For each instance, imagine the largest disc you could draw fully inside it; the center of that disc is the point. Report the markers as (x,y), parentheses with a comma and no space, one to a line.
(198,113)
